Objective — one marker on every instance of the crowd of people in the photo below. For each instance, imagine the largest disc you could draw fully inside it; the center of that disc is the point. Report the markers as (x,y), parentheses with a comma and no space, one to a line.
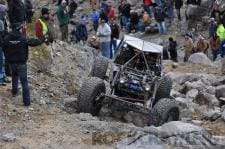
(107,23)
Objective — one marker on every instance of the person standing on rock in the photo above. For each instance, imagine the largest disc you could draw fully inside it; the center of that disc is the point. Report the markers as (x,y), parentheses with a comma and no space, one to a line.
(215,46)
(104,34)
(160,19)
(178,4)
(72,8)
(42,28)
(95,18)
(63,18)
(173,49)
(189,46)
(202,45)
(29,11)
(114,36)
(15,46)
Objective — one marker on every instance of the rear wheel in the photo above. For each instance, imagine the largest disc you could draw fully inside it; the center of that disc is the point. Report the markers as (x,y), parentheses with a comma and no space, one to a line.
(89,98)
(165,110)
(164,88)
(99,67)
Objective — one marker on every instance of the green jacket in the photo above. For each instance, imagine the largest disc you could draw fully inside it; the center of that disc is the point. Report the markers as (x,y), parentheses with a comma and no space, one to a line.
(221,32)
(63,16)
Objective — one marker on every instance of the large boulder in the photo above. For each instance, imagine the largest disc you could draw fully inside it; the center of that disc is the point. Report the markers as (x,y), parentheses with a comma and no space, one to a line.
(200,58)
(206,99)
(220,91)
(174,134)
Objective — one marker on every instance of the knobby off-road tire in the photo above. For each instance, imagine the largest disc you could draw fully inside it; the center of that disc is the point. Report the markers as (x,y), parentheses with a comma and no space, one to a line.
(99,67)
(164,88)
(165,110)
(91,89)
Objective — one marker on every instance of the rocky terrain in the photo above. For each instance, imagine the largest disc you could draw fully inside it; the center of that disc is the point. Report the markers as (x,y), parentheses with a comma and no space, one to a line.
(55,75)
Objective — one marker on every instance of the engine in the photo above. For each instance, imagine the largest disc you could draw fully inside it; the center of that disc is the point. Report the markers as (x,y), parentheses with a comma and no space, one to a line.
(134,83)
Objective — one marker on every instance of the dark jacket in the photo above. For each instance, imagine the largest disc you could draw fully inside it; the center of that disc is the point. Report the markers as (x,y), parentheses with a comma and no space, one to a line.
(29,10)
(15,47)
(125,9)
(103,15)
(81,32)
(134,18)
(72,8)
(173,49)
(16,11)
(159,14)
(115,31)
(178,4)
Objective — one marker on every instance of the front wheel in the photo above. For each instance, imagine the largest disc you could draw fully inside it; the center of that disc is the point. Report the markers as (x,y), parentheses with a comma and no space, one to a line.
(89,98)
(165,110)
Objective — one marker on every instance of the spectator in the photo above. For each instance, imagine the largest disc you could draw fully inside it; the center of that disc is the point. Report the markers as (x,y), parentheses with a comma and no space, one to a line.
(169,8)
(178,5)
(95,17)
(133,22)
(189,47)
(222,47)
(114,36)
(147,6)
(215,13)
(212,27)
(215,46)
(63,18)
(173,49)
(104,15)
(124,10)
(72,8)
(29,10)
(146,19)
(105,7)
(104,34)
(220,32)
(94,4)
(112,13)
(16,12)
(202,45)
(42,29)
(160,19)
(81,31)
(15,46)
(3,30)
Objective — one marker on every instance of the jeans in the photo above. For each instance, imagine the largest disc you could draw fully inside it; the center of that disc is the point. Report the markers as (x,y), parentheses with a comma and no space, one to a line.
(178,14)
(2,68)
(105,48)
(125,20)
(170,13)
(113,48)
(162,27)
(147,8)
(139,27)
(19,71)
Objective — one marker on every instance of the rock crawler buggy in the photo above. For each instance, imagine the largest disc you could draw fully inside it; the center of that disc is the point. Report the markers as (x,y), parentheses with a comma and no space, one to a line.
(136,83)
